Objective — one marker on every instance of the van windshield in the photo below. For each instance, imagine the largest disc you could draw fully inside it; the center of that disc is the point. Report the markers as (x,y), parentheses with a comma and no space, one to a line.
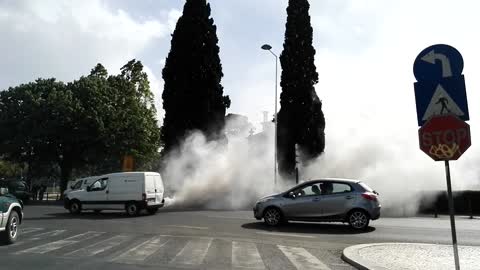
(77,185)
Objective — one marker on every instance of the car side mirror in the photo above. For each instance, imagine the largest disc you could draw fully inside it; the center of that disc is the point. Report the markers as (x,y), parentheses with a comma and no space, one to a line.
(3,191)
(89,188)
(291,194)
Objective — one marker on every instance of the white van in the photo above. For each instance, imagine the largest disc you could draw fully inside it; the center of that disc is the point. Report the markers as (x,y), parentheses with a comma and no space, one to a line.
(129,191)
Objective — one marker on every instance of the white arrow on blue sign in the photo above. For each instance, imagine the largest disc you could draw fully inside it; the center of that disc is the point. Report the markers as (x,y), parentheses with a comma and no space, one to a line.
(440,86)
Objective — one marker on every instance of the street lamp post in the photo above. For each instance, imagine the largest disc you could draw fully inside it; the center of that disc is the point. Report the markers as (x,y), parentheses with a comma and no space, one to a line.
(269,48)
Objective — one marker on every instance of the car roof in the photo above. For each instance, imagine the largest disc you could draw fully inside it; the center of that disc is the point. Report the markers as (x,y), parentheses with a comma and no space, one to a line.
(344,180)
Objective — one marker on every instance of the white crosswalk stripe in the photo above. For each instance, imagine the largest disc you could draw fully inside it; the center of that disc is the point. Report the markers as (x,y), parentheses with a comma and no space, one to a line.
(302,259)
(99,247)
(47,234)
(61,243)
(246,255)
(194,252)
(140,252)
(30,230)
(41,236)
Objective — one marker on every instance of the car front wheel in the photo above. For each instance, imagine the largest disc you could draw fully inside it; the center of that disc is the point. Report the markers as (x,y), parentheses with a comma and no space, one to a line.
(358,219)
(75,207)
(11,230)
(272,216)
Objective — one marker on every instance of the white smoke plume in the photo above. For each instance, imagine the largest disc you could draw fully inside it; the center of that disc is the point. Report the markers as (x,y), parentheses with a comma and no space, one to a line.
(212,175)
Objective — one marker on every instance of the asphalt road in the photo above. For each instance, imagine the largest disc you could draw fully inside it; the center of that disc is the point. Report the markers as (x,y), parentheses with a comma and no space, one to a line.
(51,238)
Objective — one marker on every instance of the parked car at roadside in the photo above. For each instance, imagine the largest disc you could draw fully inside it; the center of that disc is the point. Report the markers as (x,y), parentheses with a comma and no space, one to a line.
(11,216)
(332,200)
(17,188)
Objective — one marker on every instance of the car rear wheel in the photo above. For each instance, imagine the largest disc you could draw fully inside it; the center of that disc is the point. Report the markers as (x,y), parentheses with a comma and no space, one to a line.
(272,216)
(358,219)
(132,209)
(11,230)
(75,207)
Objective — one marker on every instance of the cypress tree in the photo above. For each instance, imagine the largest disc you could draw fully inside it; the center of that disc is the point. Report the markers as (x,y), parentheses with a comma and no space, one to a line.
(193,95)
(300,119)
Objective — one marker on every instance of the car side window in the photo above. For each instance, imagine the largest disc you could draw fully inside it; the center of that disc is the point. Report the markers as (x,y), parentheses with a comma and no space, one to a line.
(310,190)
(341,188)
(100,184)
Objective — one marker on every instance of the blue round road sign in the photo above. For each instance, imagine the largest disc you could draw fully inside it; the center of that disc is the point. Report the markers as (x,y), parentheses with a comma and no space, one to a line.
(438,62)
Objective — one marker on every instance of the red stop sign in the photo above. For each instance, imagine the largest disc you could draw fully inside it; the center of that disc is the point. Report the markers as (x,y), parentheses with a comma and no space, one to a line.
(444,137)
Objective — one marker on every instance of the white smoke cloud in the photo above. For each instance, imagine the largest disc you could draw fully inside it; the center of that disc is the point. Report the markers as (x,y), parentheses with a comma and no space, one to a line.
(215,175)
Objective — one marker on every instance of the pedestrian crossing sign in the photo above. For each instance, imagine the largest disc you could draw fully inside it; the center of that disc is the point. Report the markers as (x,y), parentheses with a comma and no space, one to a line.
(446,96)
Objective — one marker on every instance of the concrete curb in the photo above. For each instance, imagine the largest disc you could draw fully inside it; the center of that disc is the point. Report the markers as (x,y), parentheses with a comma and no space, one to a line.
(352,256)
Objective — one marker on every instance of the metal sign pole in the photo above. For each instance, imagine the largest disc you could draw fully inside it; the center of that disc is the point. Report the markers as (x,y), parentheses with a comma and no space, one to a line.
(452,216)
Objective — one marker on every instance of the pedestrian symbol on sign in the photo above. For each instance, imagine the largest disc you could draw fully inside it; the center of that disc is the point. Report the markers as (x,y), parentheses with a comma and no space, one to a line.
(444,102)
(441,103)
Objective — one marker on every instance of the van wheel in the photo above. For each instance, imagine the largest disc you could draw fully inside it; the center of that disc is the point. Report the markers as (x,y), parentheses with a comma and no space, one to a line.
(152,211)
(11,230)
(132,209)
(75,207)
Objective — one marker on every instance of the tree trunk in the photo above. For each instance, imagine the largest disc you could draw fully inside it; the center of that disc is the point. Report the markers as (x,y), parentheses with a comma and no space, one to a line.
(65,175)
(29,174)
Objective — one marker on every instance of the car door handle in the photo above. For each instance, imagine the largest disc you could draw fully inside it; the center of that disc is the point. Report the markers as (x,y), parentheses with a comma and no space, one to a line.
(106,191)
(349,197)
(316,200)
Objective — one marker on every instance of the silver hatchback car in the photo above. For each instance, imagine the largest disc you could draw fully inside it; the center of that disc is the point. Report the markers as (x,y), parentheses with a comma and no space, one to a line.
(332,200)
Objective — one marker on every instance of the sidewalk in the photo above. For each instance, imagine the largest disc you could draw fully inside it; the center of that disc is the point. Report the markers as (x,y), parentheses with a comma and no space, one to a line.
(403,256)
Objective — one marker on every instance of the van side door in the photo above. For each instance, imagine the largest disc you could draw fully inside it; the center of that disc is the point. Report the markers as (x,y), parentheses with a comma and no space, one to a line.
(124,188)
(96,196)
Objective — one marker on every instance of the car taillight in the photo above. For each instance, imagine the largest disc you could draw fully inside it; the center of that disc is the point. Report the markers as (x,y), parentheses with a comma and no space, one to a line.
(144,196)
(370,196)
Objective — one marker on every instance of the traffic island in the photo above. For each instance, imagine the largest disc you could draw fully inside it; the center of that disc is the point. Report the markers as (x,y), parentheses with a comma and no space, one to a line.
(403,256)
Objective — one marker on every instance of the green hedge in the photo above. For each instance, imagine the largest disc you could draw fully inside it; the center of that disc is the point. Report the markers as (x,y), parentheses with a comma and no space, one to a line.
(467,202)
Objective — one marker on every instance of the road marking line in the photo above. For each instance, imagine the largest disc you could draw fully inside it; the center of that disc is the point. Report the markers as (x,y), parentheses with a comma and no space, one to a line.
(61,243)
(30,230)
(302,259)
(187,227)
(99,247)
(142,251)
(287,234)
(246,255)
(194,252)
(47,234)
